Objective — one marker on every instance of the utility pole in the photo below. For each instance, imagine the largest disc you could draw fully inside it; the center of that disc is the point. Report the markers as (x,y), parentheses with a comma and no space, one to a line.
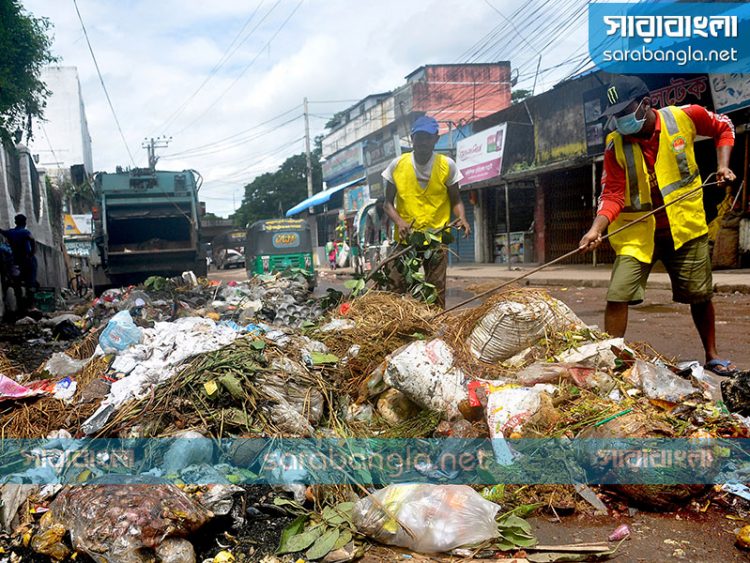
(308,166)
(308,159)
(151,145)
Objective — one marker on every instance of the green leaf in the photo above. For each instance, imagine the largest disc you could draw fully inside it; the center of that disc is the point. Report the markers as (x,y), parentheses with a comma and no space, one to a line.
(344,538)
(319,358)
(281,501)
(302,541)
(525,510)
(323,544)
(513,521)
(519,540)
(257,344)
(351,284)
(294,528)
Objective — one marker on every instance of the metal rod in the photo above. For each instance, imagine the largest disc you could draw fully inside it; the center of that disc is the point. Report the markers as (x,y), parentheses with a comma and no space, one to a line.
(577,250)
(507,226)
(593,203)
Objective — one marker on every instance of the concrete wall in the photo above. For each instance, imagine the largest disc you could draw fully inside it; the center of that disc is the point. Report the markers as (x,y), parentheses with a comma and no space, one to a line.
(63,138)
(44,216)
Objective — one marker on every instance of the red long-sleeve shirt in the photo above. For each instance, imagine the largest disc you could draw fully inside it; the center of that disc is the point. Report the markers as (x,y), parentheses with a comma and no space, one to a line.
(707,124)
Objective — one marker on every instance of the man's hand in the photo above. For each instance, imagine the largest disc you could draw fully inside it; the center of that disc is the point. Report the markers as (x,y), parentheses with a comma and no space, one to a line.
(404,229)
(590,240)
(463,225)
(724,174)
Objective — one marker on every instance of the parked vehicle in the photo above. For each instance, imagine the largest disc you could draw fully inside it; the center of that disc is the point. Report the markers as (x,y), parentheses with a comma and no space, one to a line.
(233,240)
(232,259)
(146,223)
(279,244)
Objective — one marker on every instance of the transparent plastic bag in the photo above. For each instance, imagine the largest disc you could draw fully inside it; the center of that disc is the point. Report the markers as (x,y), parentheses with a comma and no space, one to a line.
(440,517)
(658,382)
(120,333)
(114,523)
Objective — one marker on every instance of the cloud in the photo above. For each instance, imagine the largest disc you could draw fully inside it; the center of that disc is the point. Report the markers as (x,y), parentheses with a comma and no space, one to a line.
(153,56)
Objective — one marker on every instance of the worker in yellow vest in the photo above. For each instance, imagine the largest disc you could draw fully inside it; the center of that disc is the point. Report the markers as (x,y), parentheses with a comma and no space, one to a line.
(421,190)
(649,160)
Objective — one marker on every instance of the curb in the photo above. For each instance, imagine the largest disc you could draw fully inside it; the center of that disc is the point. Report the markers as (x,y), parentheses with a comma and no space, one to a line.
(597,283)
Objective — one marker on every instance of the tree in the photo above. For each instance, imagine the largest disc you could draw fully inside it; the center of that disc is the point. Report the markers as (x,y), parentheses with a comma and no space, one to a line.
(271,194)
(519,95)
(25,47)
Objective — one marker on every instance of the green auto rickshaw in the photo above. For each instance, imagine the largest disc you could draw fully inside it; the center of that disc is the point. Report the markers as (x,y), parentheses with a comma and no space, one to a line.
(276,245)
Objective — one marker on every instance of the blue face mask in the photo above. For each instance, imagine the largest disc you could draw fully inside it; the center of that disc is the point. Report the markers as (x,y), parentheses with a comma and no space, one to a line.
(628,124)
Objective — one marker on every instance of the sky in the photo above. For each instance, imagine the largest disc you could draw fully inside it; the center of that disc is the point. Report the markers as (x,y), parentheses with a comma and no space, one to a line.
(225,79)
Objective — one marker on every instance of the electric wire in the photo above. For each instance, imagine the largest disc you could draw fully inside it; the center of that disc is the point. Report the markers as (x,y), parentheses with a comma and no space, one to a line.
(101,81)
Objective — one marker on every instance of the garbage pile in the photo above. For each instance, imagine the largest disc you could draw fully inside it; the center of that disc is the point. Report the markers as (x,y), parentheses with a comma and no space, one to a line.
(218,378)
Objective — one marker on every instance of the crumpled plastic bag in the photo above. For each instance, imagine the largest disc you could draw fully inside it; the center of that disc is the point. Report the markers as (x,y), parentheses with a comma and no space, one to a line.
(511,326)
(424,372)
(113,523)
(61,365)
(579,375)
(441,517)
(120,333)
(508,407)
(660,383)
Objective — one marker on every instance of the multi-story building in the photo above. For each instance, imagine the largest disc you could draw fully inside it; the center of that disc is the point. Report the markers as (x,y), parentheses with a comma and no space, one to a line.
(62,140)
(366,136)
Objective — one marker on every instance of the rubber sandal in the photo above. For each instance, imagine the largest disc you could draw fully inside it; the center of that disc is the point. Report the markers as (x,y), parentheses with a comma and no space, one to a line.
(721,367)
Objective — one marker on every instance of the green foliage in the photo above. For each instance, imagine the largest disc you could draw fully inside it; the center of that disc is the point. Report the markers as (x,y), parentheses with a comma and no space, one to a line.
(318,533)
(422,246)
(25,47)
(519,95)
(273,193)
(82,198)
(336,120)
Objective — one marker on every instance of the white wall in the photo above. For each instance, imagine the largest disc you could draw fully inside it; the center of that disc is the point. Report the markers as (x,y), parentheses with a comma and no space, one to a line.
(62,139)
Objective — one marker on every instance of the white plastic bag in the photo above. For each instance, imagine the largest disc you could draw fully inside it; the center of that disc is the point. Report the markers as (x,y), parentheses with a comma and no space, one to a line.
(441,517)
(342,255)
(511,326)
(424,372)
(120,333)
(61,365)
(508,407)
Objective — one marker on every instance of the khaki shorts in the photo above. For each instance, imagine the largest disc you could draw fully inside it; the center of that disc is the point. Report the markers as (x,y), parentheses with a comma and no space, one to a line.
(689,268)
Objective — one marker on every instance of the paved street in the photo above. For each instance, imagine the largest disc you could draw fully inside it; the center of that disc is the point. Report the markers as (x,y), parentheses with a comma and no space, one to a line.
(658,321)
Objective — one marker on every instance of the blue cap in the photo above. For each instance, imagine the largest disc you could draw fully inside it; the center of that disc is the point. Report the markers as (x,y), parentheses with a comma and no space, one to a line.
(425,124)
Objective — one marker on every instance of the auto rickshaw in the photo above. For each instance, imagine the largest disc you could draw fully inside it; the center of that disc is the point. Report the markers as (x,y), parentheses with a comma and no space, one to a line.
(275,245)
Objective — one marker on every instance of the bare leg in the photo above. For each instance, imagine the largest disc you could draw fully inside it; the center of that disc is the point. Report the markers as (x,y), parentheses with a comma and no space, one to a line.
(616,318)
(704,318)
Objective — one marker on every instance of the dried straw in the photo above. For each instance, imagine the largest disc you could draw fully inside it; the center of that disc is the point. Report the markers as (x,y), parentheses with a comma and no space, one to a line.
(384,322)
(36,418)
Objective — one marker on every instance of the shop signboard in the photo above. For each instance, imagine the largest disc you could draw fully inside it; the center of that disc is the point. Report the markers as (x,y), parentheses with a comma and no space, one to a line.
(76,225)
(343,162)
(356,198)
(730,91)
(480,156)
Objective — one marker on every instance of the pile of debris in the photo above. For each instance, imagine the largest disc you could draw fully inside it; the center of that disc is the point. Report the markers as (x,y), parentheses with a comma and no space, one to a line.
(216,386)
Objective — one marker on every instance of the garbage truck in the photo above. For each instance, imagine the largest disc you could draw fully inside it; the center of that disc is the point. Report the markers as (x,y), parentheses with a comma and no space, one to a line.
(146,223)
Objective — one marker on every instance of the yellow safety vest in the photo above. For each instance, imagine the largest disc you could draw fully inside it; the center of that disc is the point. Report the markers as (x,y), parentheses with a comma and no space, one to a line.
(676,172)
(428,207)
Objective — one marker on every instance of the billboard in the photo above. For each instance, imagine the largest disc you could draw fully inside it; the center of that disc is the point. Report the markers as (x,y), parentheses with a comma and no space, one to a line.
(480,156)
(76,225)
(730,91)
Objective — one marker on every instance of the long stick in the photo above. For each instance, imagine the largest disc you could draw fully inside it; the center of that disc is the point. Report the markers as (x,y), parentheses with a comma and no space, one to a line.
(575,251)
